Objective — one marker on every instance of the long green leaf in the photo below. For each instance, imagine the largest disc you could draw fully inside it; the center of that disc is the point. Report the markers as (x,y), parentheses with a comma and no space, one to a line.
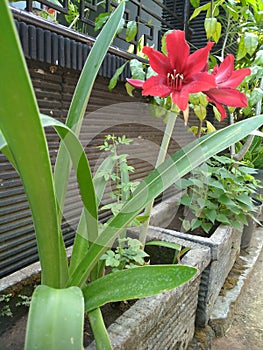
(169,172)
(81,97)
(99,179)
(81,242)
(134,283)
(22,130)
(56,319)
(82,169)
(90,70)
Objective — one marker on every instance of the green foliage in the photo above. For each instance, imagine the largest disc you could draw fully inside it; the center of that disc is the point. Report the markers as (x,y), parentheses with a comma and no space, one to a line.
(5,299)
(135,283)
(5,309)
(241,22)
(119,175)
(128,254)
(213,29)
(254,156)
(114,79)
(49,308)
(219,192)
(27,150)
(100,20)
(131,30)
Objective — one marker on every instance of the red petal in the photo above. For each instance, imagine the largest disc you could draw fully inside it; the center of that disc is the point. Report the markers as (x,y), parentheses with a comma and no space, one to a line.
(156,86)
(221,110)
(225,69)
(136,83)
(201,82)
(197,61)
(180,99)
(236,78)
(228,97)
(158,61)
(178,50)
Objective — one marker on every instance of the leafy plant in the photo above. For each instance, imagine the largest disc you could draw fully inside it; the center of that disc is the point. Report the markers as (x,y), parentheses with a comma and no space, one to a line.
(6,299)
(128,254)
(254,156)
(119,175)
(242,30)
(5,309)
(220,191)
(242,20)
(25,300)
(64,287)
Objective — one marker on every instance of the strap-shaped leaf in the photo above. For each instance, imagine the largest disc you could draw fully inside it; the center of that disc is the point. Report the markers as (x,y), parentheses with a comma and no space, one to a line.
(56,319)
(169,172)
(82,169)
(82,94)
(81,242)
(22,130)
(134,283)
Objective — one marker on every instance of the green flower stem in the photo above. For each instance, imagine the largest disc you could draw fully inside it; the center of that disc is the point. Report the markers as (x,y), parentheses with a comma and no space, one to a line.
(161,157)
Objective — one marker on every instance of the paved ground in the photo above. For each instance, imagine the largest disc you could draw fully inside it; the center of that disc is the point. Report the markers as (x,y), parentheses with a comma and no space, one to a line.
(246,331)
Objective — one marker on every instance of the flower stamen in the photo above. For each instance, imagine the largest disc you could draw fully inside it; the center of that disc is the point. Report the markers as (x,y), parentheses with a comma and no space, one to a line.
(175,81)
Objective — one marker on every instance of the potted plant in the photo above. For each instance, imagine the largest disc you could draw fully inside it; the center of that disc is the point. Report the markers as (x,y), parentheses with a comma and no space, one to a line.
(166,320)
(219,192)
(253,158)
(74,288)
(217,203)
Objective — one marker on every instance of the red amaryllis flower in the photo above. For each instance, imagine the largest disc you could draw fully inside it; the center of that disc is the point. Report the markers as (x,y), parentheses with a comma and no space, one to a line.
(178,73)
(227,80)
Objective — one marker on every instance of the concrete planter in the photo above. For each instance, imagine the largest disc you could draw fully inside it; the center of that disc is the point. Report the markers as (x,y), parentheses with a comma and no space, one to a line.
(259,176)
(165,321)
(224,247)
(249,229)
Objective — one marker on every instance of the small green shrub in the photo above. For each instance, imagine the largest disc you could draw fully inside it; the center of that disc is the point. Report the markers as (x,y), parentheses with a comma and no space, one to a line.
(219,191)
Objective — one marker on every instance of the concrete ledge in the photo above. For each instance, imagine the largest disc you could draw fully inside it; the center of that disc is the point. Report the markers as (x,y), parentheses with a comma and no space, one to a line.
(221,316)
(225,306)
(23,275)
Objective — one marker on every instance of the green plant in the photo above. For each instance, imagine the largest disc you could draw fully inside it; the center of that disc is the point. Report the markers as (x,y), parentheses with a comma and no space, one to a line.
(119,175)
(25,300)
(254,155)
(6,299)
(5,309)
(241,22)
(219,191)
(128,254)
(64,287)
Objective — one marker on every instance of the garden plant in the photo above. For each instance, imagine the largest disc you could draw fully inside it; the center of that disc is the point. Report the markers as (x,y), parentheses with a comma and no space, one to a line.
(219,191)
(78,287)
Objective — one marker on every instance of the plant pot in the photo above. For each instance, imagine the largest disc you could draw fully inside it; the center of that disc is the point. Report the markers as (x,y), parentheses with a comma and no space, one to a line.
(259,176)
(167,320)
(224,245)
(250,228)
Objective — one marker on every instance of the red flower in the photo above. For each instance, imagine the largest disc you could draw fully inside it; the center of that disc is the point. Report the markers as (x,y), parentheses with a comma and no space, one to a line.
(178,73)
(51,11)
(227,80)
